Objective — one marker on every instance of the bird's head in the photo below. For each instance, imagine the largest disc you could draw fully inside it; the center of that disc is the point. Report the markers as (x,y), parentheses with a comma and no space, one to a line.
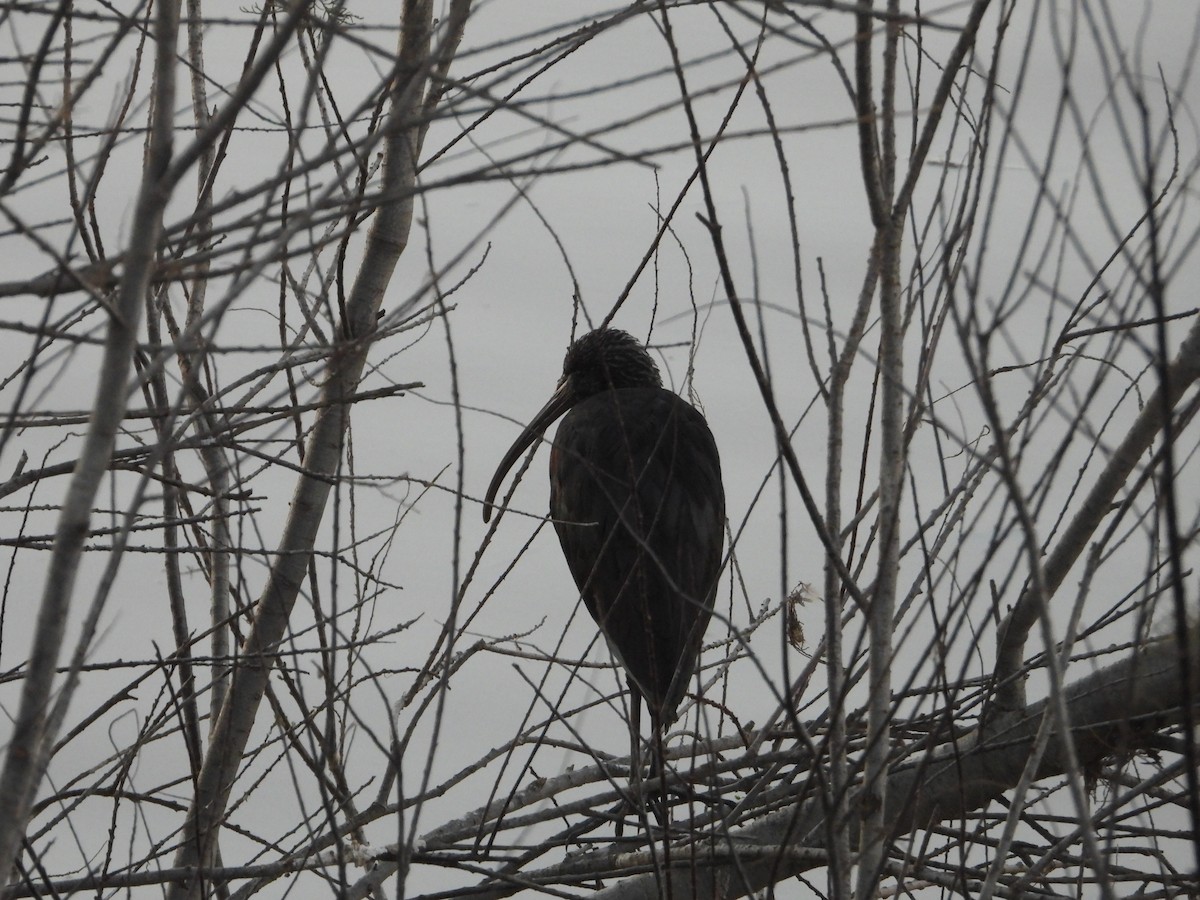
(602,360)
(607,359)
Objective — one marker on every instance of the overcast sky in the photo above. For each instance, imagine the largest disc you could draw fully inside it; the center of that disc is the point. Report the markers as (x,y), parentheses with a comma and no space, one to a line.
(587,228)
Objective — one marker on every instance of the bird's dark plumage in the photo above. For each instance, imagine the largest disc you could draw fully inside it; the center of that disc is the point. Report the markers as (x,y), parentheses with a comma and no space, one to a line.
(637,501)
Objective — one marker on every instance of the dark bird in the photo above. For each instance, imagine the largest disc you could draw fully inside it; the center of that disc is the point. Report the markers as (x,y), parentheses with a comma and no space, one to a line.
(637,501)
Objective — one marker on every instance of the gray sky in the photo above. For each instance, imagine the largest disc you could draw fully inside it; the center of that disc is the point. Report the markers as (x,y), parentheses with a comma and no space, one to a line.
(588,228)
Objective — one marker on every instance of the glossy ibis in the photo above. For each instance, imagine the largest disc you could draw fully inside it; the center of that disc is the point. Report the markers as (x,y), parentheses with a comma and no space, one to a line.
(637,501)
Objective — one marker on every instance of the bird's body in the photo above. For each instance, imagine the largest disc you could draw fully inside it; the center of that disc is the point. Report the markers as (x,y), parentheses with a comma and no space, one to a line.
(636,498)
(637,501)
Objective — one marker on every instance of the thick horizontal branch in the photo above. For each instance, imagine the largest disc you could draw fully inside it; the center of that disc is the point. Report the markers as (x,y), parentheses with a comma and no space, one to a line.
(1113,711)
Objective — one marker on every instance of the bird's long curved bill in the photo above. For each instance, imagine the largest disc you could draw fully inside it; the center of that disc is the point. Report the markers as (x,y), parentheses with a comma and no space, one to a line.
(558,404)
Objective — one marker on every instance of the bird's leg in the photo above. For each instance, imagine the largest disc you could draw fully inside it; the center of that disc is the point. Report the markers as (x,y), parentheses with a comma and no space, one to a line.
(662,812)
(635,732)
(636,777)
(658,769)
(635,754)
